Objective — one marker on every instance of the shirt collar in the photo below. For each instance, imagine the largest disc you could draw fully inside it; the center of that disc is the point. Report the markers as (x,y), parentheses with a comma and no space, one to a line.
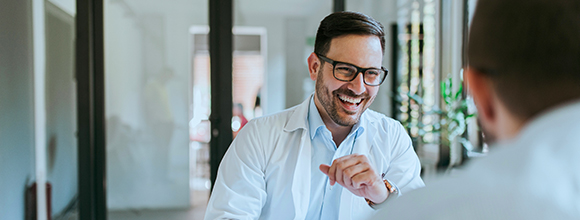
(315,121)
(557,116)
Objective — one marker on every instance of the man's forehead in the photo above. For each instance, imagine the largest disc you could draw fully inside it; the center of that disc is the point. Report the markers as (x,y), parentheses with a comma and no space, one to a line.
(361,50)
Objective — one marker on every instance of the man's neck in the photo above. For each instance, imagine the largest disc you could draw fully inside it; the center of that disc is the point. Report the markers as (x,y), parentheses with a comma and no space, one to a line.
(509,125)
(338,132)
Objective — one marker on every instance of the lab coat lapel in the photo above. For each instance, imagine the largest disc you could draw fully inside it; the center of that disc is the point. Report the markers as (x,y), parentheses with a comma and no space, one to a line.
(301,177)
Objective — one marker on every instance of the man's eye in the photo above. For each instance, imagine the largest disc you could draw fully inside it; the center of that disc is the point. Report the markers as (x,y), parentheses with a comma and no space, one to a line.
(344,69)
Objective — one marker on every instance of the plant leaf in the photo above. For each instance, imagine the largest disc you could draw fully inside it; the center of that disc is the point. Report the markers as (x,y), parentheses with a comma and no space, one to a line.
(459,92)
(444,92)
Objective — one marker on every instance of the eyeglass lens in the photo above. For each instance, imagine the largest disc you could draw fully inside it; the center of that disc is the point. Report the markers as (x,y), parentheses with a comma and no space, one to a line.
(348,72)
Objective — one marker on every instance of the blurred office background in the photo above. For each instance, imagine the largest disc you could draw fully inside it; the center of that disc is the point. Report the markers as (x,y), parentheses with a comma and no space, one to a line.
(158,98)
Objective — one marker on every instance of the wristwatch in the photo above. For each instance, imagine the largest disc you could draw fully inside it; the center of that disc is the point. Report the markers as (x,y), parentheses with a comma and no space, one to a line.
(390,189)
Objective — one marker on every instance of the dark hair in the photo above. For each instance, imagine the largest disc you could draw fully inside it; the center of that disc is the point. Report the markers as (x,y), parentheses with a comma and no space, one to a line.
(342,23)
(530,49)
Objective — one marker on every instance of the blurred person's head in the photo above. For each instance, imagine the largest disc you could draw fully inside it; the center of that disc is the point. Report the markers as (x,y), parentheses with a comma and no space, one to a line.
(523,59)
(345,43)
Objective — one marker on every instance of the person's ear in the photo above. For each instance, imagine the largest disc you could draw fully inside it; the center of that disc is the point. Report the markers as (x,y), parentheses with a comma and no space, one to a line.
(313,66)
(481,88)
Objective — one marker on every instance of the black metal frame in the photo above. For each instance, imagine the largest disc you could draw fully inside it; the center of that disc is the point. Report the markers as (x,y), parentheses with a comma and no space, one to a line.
(338,5)
(395,70)
(90,110)
(221,60)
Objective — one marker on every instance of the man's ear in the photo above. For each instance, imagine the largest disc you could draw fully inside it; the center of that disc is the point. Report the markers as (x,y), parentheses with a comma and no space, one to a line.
(313,66)
(481,88)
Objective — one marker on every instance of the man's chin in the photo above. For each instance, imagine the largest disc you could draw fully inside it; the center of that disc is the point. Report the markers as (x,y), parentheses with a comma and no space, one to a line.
(346,119)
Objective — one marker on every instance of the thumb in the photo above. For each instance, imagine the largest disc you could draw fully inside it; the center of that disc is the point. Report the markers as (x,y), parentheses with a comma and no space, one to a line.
(324,168)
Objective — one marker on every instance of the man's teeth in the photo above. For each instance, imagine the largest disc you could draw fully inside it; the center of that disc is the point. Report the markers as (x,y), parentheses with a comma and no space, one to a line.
(349,99)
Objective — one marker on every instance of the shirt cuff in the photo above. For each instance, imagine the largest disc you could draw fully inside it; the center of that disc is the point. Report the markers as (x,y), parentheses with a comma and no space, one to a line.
(391,196)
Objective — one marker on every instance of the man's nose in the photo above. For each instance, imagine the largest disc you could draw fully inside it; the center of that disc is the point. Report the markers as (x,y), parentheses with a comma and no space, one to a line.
(357,85)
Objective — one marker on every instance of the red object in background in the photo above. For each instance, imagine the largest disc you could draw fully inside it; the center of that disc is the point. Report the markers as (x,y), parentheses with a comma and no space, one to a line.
(31,202)
(244,121)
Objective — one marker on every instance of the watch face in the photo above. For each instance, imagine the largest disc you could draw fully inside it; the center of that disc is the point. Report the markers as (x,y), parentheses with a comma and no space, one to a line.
(389,186)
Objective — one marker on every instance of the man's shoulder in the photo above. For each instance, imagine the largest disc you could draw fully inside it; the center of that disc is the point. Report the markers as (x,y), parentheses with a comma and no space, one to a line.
(481,192)
(276,120)
(380,120)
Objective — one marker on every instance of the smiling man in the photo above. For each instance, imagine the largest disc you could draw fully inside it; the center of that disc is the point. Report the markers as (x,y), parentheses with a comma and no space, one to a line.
(329,157)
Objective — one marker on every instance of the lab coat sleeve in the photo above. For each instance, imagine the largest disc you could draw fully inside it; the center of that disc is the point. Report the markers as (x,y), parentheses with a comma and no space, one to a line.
(240,189)
(405,168)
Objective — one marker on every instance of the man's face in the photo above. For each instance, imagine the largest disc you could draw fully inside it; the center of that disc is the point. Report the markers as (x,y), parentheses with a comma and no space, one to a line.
(344,102)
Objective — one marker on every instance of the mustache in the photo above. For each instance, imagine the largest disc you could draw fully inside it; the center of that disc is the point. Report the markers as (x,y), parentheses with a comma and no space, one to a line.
(348,92)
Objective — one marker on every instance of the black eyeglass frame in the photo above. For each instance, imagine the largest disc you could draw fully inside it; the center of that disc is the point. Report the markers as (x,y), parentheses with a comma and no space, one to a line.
(358,70)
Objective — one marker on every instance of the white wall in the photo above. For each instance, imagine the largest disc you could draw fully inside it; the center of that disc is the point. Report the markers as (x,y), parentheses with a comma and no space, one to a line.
(147,119)
(123,59)
(16,109)
(296,68)
(61,107)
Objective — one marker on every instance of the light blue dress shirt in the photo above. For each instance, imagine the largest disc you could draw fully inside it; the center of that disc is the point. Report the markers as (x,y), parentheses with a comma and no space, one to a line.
(324,198)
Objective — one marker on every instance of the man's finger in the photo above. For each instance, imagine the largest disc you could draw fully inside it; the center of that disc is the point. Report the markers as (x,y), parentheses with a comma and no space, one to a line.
(338,166)
(332,172)
(326,169)
(364,178)
(351,171)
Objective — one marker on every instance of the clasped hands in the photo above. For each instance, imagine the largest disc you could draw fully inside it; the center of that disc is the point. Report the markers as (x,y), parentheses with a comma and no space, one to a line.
(355,173)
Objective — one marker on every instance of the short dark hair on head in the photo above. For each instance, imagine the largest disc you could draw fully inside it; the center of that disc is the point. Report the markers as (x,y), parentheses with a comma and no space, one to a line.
(530,49)
(342,23)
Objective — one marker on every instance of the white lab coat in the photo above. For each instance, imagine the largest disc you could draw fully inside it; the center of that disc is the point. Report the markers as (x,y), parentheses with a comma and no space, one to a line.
(265,174)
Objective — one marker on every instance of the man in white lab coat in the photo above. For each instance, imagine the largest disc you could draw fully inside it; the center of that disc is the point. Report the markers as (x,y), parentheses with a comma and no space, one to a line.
(524,75)
(329,157)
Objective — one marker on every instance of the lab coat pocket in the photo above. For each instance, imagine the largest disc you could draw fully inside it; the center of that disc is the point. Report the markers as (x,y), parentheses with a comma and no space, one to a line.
(360,209)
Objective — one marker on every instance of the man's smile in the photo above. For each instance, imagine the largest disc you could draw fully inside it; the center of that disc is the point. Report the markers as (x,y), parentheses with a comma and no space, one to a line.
(350,105)
(351,100)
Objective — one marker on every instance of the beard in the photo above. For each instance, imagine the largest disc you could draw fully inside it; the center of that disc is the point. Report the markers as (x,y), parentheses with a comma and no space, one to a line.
(331,105)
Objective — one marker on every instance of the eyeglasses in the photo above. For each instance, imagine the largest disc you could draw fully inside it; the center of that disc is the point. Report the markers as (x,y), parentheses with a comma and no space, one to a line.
(347,72)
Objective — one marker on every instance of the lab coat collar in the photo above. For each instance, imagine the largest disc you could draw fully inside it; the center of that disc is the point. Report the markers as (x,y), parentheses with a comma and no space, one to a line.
(314,119)
(299,117)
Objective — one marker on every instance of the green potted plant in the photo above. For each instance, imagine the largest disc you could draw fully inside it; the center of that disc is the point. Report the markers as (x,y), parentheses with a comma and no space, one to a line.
(452,123)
